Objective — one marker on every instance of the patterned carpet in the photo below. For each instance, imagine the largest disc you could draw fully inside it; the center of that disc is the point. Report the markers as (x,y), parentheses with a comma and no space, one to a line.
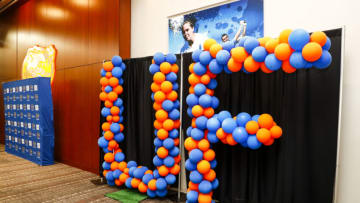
(24,181)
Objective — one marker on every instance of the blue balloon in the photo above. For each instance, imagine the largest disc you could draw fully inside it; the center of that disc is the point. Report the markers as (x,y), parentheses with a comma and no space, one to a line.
(152,96)
(169,162)
(147,177)
(324,61)
(188,131)
(116,60)
(196,54)
(272,63)
(109,176)
(170,179)
(242,118)
(158,142)
(201,122)
(121,81)
(108,89)
(161,184)
(111,183)
(199,89)
(159,58)
(106,165)
(195,177)
(199,69)
(308,65)
(259,54)
(250,44)
(171,58)
(197,134)
(253,142)
(327,45)
(118,102)
(213,163)
(297,61)
(119,157)
(192,100)
(192,196)
(174,134)
(189,112)
(168,143)
(174,114)
(172,77)
(175,86)
(215,67)
(176,104)
(212,84)
(228,46)
(151,193)
(215,102)
(227,70)
(255,117)
(240,134)
(123,66)
(161,193)
(205,58)
(228,125)
(106,150)
(105,111)
(131,164)
(213,124)
(157,161)
(154,68)
(116,174)
(156,174)
(244,144)
(128,182)
(132,170)
(215,183)
(117,72)
(222,57)
(174,151)
(140,172)
(211,136)
(102,142)
(195,155)
(167,105)
(102,72)
(298,39)
(115,127)
(189,165)
(205,187)
(205,100)
(242,41)
(223,115)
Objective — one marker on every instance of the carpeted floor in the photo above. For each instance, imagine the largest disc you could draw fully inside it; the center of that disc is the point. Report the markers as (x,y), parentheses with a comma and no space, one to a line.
(24,181)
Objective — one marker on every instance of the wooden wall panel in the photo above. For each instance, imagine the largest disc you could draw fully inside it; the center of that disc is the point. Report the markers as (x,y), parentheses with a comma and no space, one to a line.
(84,33)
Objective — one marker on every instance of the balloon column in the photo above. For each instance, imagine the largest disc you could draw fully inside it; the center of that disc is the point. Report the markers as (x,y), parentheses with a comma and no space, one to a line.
(116,170)
(291,51)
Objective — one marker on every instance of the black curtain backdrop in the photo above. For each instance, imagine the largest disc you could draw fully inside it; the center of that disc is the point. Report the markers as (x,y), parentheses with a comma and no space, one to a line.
(299,167)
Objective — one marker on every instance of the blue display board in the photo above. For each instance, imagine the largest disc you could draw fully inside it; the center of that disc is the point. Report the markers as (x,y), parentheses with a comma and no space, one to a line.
(29,129)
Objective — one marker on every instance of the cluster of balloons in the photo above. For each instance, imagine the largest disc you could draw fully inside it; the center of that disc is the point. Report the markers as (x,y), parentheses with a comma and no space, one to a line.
(116,170)
(292,50)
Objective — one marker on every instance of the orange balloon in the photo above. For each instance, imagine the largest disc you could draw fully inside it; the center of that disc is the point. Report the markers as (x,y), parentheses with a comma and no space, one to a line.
(115,110)
(158,124)
(263,41)
(210,176)
(282,51)
(165,67)
(122,166)
(166,86)
(116,119)
(175,169)
(252,127)
(177,124)
(117,182)
(220,133)
(197,110)
(103,96)
(159,77)
(209,155)
(161,115)
(209,112)
(168,124)
(191,90)
(230,140)
(191,68)
(152,184)
(114,165)
(208,43)
(264,68)
(239,54)
(251,65)
(203,167)
(172,96)
(205,79)
(121,127)
(176,141)
(112,96)
(148,172)
(123,177)
(155,87)
(108,75)
(108,66)
(214,49)
(162,152)
(108,104)
(113,81)
(204,145)
(271,45)
(174,68)
(109,118)
(108,135)
(276,132)
(263,135)
(159,96)
(193,186)
(135,183)
(204,198)
(269,142)
(210,92)
(126,170)
(142,187)
(312,51)
(234,66)
(287,68)
(194,79)
(105,126)
(284,36)
(162,134)
(157,106)
(112,144)
(104,81)
(118,89)
(190,144)
(163,170)
(212,75)
(318,37)
(109,157)
(265,121)
(105,172)
(193,123)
